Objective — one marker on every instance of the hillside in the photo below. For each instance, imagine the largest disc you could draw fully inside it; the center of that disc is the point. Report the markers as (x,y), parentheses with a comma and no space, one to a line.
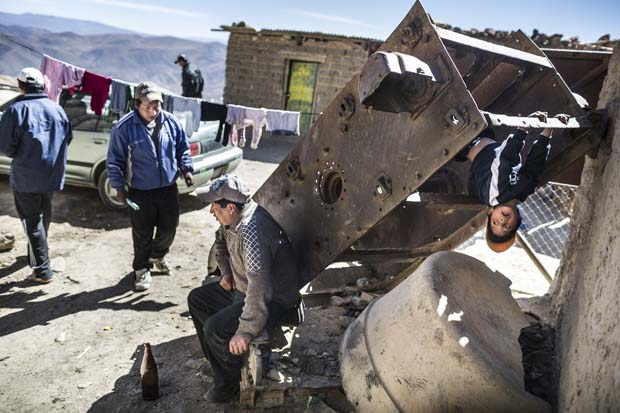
(56,24)
(130,57)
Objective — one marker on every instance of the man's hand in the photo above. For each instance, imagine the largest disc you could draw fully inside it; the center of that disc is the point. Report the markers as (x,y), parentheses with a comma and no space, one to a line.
(239,344)
(189,179)
(541,116)
(227,282)
(562,118)
(121,196)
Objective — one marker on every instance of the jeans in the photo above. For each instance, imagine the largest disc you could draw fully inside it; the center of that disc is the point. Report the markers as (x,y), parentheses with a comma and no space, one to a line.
(35,212)
(158,208)
(216,313)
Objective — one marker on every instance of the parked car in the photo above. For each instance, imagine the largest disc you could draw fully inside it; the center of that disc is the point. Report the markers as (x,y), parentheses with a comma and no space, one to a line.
(87,153)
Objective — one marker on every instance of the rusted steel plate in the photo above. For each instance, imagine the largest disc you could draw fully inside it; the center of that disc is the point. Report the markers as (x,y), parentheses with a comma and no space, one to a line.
(356,164)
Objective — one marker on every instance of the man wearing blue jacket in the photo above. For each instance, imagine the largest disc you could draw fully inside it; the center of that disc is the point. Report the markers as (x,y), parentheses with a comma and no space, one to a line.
(35,132)
(148,148)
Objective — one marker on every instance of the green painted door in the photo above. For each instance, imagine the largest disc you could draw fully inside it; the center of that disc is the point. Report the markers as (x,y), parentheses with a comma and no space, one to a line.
(300,93)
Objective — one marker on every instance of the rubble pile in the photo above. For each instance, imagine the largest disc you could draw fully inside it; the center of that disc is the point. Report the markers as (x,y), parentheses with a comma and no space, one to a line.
(554,41)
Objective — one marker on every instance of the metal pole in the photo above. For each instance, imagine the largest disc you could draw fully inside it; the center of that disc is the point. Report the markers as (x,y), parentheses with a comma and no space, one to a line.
(528,250)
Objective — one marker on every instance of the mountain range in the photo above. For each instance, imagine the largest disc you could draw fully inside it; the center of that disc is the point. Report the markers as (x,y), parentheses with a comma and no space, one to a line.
(108,51)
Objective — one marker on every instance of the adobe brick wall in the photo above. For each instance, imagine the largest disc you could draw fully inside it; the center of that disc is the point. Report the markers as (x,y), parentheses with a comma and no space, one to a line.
(586,290)
(257,66)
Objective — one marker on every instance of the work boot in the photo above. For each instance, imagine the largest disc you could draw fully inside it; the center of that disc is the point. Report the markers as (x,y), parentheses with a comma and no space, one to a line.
(142,279)
(41,280)
(159,266)
(219,396)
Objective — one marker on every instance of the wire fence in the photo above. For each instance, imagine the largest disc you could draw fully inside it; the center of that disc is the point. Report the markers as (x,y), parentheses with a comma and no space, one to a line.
(546,218)
(545,224)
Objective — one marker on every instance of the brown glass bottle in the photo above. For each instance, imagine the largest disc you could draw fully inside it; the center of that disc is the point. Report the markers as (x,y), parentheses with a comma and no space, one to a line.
(148,375)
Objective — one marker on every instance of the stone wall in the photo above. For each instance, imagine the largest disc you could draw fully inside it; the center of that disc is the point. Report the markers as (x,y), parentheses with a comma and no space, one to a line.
(257,65)
(586,292)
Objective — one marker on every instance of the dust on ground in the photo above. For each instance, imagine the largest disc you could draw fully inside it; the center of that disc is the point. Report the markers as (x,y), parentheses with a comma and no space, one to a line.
(75,344)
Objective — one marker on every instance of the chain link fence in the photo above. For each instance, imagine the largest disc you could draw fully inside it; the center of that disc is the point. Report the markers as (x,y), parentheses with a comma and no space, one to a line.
(546,218)
(545,224)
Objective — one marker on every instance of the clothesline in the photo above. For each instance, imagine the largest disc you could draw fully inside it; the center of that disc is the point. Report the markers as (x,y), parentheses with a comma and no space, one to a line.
(191,111)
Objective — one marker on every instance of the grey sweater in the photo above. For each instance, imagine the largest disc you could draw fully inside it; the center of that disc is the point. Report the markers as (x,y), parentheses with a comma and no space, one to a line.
(256,250)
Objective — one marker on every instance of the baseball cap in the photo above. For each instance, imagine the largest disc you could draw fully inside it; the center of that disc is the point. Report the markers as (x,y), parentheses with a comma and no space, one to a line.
(148,92)
(180,57)
(228,187)
(31,75)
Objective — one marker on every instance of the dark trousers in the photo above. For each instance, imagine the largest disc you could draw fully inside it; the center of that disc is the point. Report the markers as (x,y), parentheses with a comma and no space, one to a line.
(216,313)
(35,213)
(158,208)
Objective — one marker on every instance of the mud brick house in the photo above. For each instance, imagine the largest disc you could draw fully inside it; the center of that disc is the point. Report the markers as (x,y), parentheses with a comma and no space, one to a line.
(292,70)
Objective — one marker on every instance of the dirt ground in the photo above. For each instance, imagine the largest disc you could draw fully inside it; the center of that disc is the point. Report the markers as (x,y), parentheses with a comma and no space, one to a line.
(75,345)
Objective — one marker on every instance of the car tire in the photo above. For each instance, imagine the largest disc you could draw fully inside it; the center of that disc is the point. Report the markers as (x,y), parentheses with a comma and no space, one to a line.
(107,193)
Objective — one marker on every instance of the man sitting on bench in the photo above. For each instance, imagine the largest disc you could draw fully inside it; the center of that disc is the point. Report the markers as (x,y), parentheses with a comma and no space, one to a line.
(259,286)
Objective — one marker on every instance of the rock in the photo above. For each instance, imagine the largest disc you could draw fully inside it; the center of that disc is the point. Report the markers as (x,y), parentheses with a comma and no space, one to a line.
(275,375)
(7,241)
(83,386)
(368,297)
(107,328)
(313,365)
(362,283)
(310,352)
(195,364)
(340,301)
(61,338)
(274,357)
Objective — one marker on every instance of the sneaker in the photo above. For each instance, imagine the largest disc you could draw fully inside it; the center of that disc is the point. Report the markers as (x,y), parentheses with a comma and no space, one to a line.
(159,266)
(143,279)
(41,280)
(215,396)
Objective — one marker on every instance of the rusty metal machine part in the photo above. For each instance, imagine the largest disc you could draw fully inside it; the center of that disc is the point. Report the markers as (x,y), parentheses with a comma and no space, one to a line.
(363,163)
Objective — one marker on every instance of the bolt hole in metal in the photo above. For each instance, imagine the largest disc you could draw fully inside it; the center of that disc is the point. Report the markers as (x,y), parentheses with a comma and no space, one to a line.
(331,187)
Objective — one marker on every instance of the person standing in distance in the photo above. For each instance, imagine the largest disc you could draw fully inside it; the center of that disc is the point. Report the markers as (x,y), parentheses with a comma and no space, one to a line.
(148,150)
(192,81)
(35,133)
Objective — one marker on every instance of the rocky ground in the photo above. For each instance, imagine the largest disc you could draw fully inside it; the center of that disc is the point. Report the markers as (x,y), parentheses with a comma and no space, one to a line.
(75,345)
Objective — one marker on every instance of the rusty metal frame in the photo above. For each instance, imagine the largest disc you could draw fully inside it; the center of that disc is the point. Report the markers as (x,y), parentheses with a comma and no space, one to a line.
(340,192)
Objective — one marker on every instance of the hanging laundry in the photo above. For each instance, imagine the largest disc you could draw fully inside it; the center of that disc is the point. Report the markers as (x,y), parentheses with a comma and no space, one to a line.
(168,103)
(282,122)
(258,119)
(98,87)
(120,96)
(57,73)
(189,108)
(214,111)
(236,118)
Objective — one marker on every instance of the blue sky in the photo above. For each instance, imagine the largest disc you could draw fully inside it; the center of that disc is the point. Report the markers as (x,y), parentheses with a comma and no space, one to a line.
(376,19)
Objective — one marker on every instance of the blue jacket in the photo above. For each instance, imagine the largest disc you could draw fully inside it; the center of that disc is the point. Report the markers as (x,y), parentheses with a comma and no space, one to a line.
(133,158)
(35,132)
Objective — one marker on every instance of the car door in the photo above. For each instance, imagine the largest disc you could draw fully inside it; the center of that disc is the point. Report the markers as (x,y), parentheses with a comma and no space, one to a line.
(91,134)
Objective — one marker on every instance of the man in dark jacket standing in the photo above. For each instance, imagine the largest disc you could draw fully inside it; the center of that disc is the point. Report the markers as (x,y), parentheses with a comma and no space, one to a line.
(147,149)
(35,132)
(259,287)
(192,81)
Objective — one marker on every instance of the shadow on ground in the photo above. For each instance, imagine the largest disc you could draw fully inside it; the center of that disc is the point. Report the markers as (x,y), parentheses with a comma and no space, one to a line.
(81,207)
(181,389)
(35,311)
(272,149)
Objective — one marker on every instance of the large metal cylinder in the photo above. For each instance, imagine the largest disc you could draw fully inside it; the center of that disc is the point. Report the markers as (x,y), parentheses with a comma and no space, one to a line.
(445,340)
